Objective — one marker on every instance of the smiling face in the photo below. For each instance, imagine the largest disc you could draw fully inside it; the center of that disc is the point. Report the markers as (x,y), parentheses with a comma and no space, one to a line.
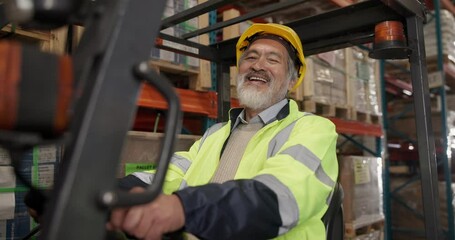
(263,75)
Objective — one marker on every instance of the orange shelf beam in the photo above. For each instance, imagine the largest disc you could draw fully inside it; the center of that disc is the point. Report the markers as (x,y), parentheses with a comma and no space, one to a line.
(204,103)
(235,103)
(358,128)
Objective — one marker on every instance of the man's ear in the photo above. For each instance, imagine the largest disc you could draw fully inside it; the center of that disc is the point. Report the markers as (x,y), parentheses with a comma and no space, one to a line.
(291,84)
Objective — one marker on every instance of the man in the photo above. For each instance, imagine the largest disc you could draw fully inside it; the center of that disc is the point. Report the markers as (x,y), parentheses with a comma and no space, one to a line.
(266,173)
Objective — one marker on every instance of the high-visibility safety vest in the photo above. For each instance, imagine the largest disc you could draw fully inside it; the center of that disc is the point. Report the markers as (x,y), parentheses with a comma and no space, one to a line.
(294,156)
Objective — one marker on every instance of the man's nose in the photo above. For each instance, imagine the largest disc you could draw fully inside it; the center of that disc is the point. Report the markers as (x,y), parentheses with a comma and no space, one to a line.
(258,64)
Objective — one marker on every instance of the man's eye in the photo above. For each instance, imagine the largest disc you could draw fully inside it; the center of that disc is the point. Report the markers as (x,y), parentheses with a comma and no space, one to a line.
(272,60)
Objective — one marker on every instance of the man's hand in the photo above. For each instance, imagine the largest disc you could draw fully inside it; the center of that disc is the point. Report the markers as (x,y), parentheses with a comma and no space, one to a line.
(34,214)
(149,221)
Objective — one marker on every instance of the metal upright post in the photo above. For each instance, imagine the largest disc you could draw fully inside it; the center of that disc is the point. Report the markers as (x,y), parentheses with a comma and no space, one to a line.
(425,136)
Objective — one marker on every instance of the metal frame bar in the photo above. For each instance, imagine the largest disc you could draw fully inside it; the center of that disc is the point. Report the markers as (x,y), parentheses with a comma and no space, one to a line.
(403,203)
(406,110)
(407,8)
(403,135)
(112,45)
(409,181)
(349,26)
(261,12)
(360,145)
(425,136)
(194,12)
(197,50)
(337,29)
(340,145)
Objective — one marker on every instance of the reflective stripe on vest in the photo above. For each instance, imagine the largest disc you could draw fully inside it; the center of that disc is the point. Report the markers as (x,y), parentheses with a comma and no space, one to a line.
(181,162)
(311,161)
(289,210)
(183,184)
(278,141)
(209,132)
(299,152)
(146,177)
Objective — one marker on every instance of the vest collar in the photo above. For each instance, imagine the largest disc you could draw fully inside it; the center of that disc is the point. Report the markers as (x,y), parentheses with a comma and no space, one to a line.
(235,112)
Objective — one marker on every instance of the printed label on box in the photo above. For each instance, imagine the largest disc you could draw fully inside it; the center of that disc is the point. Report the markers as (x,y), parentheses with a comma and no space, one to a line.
(361,171)
(47,154)
(45,175)
(363,71)
(435,79)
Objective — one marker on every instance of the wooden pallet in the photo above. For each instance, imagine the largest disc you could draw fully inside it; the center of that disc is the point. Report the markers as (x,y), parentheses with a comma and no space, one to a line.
(186,77)
(326,109)
(365,117)
(48,41)
(375,119)
(352,232)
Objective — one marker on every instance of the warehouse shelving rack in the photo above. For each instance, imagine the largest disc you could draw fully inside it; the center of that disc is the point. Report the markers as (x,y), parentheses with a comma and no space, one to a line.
(444,70)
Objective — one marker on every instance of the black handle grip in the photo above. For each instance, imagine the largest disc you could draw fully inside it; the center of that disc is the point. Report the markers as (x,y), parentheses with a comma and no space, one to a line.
(173,124)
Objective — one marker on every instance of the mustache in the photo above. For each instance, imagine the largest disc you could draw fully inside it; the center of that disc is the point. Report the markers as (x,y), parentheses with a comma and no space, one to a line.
(261,74)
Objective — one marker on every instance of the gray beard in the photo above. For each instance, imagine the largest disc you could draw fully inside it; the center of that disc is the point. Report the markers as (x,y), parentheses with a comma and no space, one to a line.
(250,97)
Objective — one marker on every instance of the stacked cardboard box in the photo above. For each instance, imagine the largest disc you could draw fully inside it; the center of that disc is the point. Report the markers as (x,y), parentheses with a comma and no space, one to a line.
(173,7)
(186,27)
(142,150)
(169,10)
(363,81)
(337,65)
(325,79)
(447,38)
(38,166)
(361,179)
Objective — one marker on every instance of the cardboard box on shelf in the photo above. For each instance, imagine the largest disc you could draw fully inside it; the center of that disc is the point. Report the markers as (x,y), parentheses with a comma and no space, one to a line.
(361,179)
(142,149)
(363,78)
(39,167)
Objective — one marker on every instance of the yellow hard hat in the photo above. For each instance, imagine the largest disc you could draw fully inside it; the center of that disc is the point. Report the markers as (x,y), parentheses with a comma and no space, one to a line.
(285,32)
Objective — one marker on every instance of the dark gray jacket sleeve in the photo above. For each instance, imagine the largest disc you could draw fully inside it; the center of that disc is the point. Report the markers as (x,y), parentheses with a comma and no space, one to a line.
(237,209)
